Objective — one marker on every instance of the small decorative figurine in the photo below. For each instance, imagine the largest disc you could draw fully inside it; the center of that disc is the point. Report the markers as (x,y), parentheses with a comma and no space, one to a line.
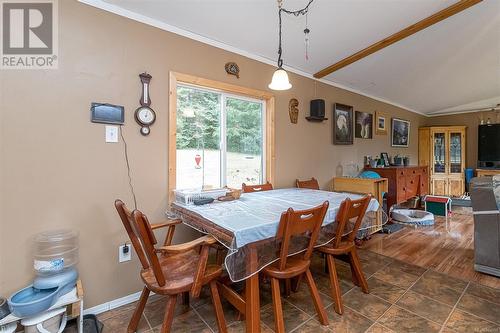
(293,110)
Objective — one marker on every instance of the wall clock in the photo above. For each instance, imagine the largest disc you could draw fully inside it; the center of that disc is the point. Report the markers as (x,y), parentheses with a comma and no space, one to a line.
(144,115)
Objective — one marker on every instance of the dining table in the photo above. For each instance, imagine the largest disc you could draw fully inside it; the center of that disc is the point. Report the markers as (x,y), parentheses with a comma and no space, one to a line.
(247,228)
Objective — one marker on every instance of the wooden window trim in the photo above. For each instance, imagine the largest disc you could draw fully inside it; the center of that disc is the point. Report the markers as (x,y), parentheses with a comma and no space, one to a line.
(180,78)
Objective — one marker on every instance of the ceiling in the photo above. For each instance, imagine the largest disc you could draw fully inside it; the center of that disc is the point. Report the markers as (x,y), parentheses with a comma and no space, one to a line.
(444,68)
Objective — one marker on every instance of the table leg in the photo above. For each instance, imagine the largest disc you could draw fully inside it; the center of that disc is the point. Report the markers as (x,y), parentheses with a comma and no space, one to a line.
(252,311)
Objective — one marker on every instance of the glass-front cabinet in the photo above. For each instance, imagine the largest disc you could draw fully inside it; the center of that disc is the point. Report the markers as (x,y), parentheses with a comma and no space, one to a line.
(439,152)
(456,153)
(443,150)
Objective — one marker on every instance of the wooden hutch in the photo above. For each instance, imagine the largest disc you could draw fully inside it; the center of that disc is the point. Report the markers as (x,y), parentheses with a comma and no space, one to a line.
(442,148)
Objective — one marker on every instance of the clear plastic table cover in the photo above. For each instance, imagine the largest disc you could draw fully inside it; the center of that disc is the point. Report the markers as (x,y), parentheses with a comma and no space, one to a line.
(254,219)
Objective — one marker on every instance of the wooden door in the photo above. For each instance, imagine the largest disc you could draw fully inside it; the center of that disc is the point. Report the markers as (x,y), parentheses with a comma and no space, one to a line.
(439,186)
(455,187)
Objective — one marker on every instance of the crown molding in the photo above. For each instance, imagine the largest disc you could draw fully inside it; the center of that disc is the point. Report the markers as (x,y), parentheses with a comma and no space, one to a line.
(100,4)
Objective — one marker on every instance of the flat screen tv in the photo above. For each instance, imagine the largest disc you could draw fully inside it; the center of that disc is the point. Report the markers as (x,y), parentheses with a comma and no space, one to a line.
(489,146)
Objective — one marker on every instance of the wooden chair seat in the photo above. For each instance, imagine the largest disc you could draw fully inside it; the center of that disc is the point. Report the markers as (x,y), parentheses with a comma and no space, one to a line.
(179,272)
(294,266)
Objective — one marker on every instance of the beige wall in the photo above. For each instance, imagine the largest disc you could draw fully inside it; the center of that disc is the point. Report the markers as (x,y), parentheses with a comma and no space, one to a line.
(58,172)
(471,120)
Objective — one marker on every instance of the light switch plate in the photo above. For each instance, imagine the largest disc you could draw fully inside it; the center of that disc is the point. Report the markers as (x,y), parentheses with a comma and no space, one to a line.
(111,134)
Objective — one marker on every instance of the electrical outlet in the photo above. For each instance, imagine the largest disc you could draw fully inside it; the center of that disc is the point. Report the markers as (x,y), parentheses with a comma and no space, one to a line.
(124,253)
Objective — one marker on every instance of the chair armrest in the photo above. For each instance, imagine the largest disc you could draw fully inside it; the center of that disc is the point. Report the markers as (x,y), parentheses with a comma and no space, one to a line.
(166,223)
(179,248)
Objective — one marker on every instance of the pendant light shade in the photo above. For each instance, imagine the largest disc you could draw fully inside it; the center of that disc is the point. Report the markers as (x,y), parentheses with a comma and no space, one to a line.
(280,80)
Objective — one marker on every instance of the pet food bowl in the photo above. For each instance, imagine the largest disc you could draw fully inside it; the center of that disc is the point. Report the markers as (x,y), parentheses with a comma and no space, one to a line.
(31,301)
(412,216)
(42,294)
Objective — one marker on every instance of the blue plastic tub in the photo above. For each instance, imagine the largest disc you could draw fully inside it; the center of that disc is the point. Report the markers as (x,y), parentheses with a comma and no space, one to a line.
(30,301)
(41,295)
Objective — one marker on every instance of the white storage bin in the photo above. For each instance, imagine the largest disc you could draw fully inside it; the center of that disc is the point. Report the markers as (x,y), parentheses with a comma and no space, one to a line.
(53,321)
(186,197)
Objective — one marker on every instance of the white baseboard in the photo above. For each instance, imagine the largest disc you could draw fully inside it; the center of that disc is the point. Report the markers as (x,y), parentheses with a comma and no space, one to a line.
(113,304)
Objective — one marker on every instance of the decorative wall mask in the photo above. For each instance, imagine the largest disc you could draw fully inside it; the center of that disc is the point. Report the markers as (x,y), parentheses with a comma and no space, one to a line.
(293,110)
(232,69)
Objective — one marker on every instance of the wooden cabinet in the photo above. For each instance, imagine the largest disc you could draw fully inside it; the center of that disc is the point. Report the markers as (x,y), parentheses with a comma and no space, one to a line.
(404,182)
(487,172)
(443,150)
(375,187)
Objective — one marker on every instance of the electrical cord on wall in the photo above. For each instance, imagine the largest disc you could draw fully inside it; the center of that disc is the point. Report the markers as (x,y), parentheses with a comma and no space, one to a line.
(125,149)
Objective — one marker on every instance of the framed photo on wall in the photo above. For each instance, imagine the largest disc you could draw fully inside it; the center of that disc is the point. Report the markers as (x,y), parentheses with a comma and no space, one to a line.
(380,123)
(400,133)
(342,124)
(363,125)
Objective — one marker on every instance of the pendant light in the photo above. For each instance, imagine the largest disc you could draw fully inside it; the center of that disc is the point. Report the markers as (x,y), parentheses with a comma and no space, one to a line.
(280,79)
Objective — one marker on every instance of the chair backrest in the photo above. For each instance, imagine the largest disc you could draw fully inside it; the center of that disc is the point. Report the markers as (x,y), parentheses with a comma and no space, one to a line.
(256,188)
(300,222)
(149,241)
(142,237)
(310,183)
(132,231)
(348,211)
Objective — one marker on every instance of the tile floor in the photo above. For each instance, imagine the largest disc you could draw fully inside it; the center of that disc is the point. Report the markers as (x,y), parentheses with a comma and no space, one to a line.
(403,298)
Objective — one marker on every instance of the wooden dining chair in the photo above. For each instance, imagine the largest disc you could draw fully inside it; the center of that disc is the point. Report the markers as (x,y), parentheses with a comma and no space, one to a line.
(170,270)
(168,223)
(293,224)
(256,188)
(344,248)
(310,183)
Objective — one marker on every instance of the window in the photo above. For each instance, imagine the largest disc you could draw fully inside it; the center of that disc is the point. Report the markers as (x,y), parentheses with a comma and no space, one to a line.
(223,134)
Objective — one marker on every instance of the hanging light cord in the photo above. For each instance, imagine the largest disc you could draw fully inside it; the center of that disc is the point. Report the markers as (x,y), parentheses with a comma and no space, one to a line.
(295,13)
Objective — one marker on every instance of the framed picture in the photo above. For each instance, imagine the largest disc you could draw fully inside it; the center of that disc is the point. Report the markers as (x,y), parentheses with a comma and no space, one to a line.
(342,124)
(363,125)
(385,157)
(400,133)
(380,123)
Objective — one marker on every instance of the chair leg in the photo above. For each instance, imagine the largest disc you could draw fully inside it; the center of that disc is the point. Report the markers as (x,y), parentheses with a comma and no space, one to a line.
(354,275)
(288,287)
(219,257)
(356,267)
(169,314)
(219,313)
(296,283)
(318,304)
(279,324)
(334,285)
(136,317)
(185,299)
